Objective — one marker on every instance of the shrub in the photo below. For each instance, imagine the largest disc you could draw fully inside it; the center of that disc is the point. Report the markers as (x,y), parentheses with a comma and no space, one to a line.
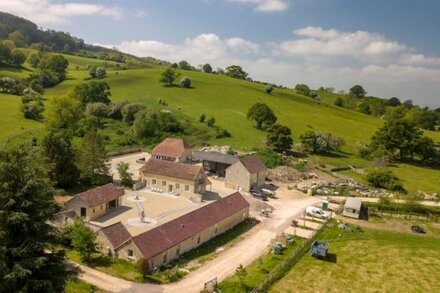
(210,122)
(130,110)
(202,118)
(269,89)
(185,82)
(385,179)
(270,158)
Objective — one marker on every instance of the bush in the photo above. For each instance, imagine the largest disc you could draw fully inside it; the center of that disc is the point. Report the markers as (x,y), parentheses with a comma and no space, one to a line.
(210,122)
(270,158)
(185,82)
(385,179)
(130,110)
(202,118)
(99,110)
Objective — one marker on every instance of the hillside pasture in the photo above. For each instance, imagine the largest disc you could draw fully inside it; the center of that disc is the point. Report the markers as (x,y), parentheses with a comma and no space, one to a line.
(368,261)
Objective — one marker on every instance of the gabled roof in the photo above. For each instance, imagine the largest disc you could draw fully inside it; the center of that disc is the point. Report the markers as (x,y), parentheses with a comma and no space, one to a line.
(171,147)
(253,164)
(353,203)
(171,169)
(116,234)
(157,240)
(100,195)
(215,157)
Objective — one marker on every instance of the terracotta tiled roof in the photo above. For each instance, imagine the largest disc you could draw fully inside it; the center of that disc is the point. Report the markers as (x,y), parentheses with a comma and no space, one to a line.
(101,194)
(171,169)
(157,240)
(116,234)
(171,147)
(253,164)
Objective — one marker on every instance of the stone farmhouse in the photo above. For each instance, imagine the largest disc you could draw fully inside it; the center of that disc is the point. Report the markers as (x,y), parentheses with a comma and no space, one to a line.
(95,202)
(172,149)
(168,241)
(247,173)
(175,178)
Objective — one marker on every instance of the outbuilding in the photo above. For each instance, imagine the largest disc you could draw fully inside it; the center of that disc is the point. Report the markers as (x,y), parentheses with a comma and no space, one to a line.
(247,173)
(352,207)
(96,202)
(215,163)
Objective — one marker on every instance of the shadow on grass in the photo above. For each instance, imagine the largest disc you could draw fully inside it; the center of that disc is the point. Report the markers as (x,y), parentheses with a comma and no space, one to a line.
(331,257)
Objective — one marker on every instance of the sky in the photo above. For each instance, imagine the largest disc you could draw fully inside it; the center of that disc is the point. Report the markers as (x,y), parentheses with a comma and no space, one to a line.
(389,47)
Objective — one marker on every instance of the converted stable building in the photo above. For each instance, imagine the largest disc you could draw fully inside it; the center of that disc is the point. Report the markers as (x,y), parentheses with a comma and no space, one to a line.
(96,202)
(247,173)
(172,149)
(168,241)
(215,163)
(352,207)
(175,178)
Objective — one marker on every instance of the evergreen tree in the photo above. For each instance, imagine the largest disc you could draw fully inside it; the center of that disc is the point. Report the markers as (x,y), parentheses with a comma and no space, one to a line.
(29,259)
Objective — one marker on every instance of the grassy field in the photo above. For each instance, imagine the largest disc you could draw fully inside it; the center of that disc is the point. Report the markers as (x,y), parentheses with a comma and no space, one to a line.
(369,261)
(228,100)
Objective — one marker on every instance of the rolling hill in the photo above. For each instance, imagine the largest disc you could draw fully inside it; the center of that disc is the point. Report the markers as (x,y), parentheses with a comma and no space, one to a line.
(227,100)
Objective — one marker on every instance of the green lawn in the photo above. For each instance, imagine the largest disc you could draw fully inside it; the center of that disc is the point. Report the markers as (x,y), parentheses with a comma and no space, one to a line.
(369,261)
(78,286)
(116,267)
(228,100)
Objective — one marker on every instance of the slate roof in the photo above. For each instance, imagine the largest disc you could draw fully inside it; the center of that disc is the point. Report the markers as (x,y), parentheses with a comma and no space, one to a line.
(171,147)
(171,169)
(253,164)
(162,238)
(353,203)
(215,157)
(116,234)
(101,194)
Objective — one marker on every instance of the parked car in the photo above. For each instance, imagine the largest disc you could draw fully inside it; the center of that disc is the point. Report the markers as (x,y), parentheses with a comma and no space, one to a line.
(316,212)
(259,195)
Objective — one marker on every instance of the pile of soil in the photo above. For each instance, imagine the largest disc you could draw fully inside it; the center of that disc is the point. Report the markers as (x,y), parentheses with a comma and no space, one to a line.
(286,174)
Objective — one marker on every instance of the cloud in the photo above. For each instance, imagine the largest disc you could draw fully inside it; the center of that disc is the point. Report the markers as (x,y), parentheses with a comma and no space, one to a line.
(242,45)
(317,57)
(266,5)
(315,41)
(49,12)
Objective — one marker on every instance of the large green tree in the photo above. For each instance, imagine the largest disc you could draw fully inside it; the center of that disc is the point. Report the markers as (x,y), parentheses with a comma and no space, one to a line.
(59,153)
(357,91)
(29,258)
(92,92)
(64,112)
(399,137)
(279,137)
(168,76)
(262,115)
(236,71)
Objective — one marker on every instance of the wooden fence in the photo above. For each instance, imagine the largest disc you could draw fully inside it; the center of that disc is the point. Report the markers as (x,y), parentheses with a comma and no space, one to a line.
(406,216)
(284,267)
